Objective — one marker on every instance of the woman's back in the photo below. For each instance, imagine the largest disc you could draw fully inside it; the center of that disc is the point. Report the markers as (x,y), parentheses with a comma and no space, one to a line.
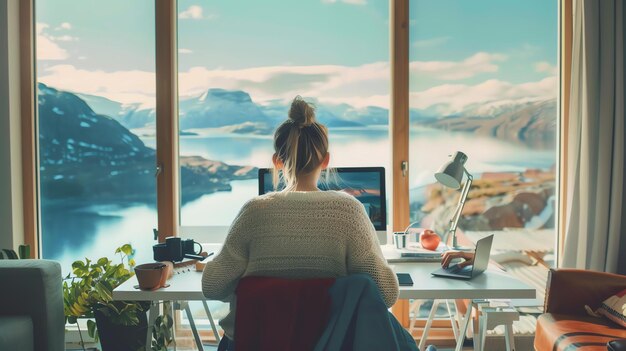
(303,234)
(298,235)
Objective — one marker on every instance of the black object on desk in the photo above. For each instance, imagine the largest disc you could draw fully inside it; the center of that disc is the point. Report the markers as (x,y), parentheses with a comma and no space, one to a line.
(404,279)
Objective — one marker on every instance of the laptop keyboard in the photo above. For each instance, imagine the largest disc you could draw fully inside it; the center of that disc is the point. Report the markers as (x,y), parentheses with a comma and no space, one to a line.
(459,270)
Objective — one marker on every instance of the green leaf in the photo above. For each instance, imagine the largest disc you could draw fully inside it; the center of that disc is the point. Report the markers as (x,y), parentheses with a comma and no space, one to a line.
(91,328)
(127,249)
(102,261)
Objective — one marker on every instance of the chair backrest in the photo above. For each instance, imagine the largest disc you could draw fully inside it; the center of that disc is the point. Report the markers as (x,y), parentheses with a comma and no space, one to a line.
(281,314)
(34,288)
(569,290)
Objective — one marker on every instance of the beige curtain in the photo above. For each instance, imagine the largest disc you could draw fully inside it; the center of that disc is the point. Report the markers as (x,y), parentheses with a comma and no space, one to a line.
(595,151)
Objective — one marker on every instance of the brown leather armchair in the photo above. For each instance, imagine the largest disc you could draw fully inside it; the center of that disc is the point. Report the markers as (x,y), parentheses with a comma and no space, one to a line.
(565,325)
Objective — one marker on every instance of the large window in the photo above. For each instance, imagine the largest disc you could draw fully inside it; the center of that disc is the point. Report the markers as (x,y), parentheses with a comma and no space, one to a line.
(95,82)
(240,65)
(484,81)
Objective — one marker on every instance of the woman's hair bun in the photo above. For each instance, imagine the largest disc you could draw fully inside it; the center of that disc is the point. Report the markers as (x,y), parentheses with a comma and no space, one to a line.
(301,112)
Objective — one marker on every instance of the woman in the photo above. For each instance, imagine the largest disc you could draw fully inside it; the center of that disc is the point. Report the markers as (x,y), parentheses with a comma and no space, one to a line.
(300,232)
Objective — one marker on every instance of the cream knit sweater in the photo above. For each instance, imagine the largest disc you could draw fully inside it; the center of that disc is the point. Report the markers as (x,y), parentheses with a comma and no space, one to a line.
(297,235)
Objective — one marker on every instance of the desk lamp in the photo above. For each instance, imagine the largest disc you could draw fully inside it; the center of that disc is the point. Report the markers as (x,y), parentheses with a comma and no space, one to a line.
(451,175)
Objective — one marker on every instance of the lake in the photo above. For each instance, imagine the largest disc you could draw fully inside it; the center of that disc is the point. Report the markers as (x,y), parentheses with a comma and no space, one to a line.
(74,231)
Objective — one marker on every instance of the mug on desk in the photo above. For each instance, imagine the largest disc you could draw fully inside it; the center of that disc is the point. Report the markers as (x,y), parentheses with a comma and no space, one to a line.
(175,249)
(400,239)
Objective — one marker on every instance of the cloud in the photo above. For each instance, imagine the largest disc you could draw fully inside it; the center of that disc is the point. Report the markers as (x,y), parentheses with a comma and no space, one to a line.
(193,12)
(47,49)
(122,86)
(359,86)
(546,67)
(184,51)
(429,43)
(478,63)
(350,2)
(64,25)
(283,82)
(64,38)
(451,98)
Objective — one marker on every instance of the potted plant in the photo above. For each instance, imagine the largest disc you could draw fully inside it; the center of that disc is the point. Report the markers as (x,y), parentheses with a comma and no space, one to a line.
(120,325)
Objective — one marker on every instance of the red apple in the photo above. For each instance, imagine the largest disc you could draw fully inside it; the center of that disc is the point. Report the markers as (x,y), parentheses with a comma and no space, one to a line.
(429,239)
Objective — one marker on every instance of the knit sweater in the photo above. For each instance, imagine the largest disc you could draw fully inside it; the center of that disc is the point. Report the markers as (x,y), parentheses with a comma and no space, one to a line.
(297,235)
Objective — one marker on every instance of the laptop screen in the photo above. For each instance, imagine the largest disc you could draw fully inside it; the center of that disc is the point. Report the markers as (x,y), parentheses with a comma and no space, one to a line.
(367,184)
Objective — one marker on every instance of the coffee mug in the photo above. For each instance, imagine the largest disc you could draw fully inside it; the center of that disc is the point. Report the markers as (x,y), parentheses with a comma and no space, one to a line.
(189,247)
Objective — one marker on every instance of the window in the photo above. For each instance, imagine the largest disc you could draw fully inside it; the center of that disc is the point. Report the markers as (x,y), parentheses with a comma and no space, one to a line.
(95,93)
(484,81)
(241,64)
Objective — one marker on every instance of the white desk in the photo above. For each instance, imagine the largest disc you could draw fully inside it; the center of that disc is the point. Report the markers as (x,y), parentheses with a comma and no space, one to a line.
(492,284)
(185,285)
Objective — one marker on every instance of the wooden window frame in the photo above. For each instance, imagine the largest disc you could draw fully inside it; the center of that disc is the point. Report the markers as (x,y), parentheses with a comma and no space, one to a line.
(167,120)
(29,127)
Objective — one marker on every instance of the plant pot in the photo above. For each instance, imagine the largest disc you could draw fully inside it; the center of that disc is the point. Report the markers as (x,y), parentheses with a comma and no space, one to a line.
(114,337)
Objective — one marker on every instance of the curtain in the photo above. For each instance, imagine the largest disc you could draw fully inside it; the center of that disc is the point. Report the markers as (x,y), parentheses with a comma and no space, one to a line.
(594,220)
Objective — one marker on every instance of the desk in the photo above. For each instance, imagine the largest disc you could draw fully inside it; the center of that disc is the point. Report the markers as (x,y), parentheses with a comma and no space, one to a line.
(184,286)
(492,284)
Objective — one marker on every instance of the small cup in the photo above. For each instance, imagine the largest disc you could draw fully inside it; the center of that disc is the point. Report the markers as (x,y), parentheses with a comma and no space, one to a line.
(149,275)
(400,239)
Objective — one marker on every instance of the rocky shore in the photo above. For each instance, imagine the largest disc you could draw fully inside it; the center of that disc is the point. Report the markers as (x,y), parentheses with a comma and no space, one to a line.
(496,201)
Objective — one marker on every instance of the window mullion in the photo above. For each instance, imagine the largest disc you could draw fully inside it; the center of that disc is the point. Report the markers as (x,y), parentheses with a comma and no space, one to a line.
(166,118)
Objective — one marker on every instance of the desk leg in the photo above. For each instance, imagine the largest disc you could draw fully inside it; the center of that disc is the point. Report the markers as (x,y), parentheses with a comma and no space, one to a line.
(208,314)
(192,323)
(455,329)
(152,314)
(429,322)
(463,330)
(509,337)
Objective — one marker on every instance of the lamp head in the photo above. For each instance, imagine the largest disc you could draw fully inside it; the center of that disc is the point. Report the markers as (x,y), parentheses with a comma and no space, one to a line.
(451,173)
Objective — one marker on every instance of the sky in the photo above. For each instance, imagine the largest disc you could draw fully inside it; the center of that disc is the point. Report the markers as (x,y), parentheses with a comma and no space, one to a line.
(337,51)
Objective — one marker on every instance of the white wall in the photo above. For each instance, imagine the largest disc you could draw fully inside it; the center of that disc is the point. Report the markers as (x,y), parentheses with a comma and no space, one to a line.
(11,209)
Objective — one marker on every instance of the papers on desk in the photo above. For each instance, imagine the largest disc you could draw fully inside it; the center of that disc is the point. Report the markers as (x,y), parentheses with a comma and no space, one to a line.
(415,252)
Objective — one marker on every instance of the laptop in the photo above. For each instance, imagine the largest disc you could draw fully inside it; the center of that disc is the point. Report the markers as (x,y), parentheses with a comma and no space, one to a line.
(481,260)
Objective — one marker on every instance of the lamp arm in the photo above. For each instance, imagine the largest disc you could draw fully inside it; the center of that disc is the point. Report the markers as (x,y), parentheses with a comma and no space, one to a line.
(459,209)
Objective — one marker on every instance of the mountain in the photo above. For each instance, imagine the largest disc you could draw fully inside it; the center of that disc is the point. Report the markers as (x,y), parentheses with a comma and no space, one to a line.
(90,156)
(85,154)
(219,108)
(328,115)
(530,122)
(129,115)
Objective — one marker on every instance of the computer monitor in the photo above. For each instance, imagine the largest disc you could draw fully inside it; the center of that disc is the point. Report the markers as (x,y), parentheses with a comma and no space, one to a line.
(366,184)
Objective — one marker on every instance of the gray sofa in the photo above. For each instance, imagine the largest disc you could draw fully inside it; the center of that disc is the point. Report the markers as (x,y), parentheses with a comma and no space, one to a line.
(31,306)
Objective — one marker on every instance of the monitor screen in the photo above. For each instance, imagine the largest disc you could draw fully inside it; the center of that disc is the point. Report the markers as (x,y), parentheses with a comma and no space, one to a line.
(367,184)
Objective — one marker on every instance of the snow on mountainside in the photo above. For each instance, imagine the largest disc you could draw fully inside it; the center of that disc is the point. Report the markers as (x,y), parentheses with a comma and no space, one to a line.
(86,155)
(529,121)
